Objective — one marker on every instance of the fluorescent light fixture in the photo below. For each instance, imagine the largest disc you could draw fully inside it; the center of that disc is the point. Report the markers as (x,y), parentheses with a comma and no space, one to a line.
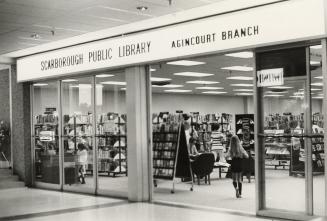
(277,92)
(238,68)
(242,85)
(281,87)
(202,82)
(156,79)
(209,88)
(316,89)
(185,63)
(214,92)
(104,75)
(193,74)
(123,89)
(153,69)
(243,90)
(244,94)
(241,78)
(40,84)
(297,96)
(316,47)
(34,39)
(244,54)
(69,80)
(108,18)
(82,86)
(299,93)
(125,11)
(314,62)
(318,77)
(317,84)
(168,86)
(178,91)
(114,82)
(318,97)
(274,95)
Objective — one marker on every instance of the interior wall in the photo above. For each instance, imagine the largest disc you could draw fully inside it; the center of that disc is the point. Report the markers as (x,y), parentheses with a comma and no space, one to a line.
(294,106)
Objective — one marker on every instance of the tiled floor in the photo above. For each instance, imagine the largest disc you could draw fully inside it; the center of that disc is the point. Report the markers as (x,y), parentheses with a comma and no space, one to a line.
(35,204)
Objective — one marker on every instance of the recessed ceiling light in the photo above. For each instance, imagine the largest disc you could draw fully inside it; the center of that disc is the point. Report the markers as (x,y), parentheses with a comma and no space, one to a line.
(69,80)
(318,77)
(238,68)
(40,84)
(168,86)
(242,85)
(152,69)
(214,92)
(156,79)
(280,87)
(315,62)
(114,82)
(185,63)
(244,54)
(35,36)
(243,90)
(317,84)
(274,95)
(202,82)
(193,74)
(244,94)
(209,88)
(241,78)
(104,75)
(142,8)
(316,47)
(178,91)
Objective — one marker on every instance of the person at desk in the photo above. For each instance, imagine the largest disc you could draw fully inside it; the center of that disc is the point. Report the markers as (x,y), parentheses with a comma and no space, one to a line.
(236,152)
(82,161)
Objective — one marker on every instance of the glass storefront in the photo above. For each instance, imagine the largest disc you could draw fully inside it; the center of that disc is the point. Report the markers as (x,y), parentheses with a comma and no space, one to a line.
(80,134)
(80,131)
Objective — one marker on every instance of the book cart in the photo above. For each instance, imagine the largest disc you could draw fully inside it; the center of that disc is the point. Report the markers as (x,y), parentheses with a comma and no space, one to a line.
(171,158)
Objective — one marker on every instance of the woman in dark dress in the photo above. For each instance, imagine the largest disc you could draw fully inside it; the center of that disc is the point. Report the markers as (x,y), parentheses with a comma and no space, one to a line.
(236,153)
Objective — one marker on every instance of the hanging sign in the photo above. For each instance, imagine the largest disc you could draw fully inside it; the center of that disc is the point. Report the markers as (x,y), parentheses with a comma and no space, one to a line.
(260,26)
(270,77)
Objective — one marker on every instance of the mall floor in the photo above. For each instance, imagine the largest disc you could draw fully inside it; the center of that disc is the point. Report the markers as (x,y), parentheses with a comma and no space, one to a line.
(37,204)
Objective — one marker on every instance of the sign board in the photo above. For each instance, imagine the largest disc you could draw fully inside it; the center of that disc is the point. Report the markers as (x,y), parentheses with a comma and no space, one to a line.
(266,25)
(270,77)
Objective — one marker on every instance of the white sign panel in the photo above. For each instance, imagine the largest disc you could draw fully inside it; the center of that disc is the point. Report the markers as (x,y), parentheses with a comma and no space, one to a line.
(270,24)
(270,77)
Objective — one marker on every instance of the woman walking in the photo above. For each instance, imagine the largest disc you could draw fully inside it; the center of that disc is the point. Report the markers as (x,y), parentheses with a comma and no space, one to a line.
(236,153)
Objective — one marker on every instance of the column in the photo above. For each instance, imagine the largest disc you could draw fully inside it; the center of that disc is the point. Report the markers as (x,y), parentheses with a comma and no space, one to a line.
(138,133)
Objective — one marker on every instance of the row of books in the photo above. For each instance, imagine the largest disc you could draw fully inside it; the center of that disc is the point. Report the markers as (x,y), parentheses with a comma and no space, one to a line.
(164,146)
(163,154)
(163,163)
(163,172)
(161,137)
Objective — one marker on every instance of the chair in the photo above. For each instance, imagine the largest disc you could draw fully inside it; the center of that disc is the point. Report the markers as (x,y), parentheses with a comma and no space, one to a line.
(202,166)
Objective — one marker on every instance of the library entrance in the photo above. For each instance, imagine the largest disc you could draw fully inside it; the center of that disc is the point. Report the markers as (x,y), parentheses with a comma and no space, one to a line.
(199,104)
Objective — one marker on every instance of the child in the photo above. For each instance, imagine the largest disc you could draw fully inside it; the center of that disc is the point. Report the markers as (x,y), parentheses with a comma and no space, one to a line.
(82,161)
(236,153)
(217,146)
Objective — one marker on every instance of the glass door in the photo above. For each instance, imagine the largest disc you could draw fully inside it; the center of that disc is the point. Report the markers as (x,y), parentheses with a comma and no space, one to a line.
(45,137)
(111,134)
(77,134)
(284,131)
